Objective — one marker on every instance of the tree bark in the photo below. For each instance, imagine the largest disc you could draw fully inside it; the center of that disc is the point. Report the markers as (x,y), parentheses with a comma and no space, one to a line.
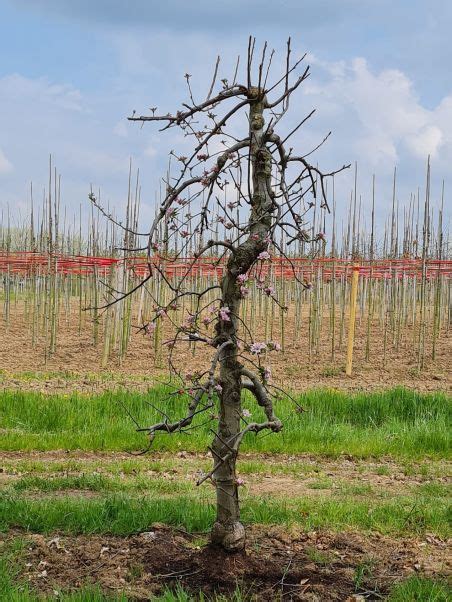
(227,530)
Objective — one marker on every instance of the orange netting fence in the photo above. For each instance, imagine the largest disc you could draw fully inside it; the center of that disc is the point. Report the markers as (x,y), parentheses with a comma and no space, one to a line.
(28,263)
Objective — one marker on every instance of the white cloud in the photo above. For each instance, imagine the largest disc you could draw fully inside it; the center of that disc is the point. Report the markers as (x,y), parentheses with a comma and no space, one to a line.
(426,141)
(41,90)
(383,118)
(377,119)
(38,118)
(5,165)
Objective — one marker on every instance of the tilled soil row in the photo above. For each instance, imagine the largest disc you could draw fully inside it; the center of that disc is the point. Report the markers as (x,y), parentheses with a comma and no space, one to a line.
(314,566)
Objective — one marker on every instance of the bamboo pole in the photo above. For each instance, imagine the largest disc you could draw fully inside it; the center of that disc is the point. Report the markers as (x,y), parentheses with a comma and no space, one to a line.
(352,318)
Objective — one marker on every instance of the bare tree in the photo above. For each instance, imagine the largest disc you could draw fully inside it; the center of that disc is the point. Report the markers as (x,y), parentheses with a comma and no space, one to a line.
(240,191)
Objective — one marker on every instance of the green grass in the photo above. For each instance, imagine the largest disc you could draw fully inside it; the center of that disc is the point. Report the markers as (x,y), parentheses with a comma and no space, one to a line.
(423,503)
(364,571)
(123,514)
(10,566)
(323,483)
(421,589)
(126,497)
(397,422)
(319,556)
(70,376)
(101,483)
(111,465)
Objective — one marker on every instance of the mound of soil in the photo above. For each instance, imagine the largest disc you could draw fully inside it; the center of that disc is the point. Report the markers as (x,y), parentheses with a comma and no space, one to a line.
(276,565)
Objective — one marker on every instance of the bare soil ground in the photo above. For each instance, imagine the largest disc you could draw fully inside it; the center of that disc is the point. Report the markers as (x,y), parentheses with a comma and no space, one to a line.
(314,566)
(76,365)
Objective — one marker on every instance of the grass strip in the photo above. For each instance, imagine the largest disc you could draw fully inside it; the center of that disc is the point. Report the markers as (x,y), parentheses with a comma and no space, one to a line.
(124,515)
(397,422)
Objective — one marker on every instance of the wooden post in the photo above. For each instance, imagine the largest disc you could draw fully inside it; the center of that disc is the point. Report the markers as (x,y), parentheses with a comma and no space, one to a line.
(352,316)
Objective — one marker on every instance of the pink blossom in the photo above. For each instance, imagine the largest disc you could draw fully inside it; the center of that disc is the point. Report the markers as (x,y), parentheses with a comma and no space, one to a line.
(267,374)
(189,321)
(218,388)
(232,205)
(244,291)
(269,291)
(160,312)
(257,348)
(246,413)
(240,482)
(185,233)
(202,157)
(241,278)
(171,212)
(254,236)
(224,314)
(149,329)
(264,255)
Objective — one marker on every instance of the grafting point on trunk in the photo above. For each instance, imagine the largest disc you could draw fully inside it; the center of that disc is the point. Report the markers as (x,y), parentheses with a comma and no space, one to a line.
(230,536)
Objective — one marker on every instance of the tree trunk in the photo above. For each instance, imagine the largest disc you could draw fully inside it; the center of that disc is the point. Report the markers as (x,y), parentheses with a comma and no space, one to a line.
(227,530)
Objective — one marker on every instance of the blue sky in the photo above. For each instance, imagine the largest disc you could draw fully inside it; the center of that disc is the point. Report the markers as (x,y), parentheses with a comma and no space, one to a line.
(72,70)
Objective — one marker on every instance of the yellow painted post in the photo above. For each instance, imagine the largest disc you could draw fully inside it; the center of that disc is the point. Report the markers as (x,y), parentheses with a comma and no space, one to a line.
(352,316)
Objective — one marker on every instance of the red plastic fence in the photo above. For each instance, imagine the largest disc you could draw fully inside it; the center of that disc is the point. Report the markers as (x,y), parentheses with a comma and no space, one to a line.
(29,263)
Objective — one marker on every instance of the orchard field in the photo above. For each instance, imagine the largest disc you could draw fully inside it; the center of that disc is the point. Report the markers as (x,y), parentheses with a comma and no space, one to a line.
(351,499)
(320,344)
